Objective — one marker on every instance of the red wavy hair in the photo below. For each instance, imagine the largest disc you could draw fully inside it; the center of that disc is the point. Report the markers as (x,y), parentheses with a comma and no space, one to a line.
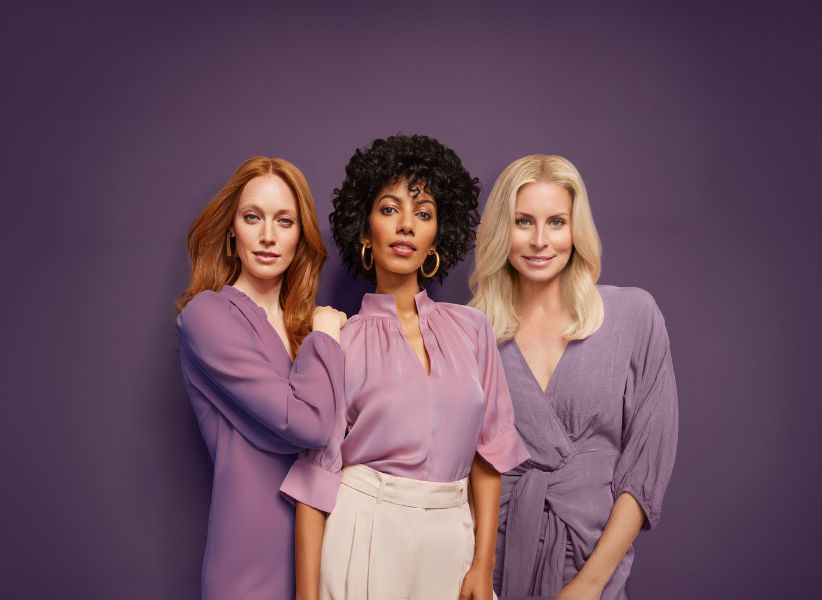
(211,269)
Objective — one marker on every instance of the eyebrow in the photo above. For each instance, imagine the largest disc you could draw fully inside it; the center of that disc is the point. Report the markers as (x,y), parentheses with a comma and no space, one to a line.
(525,214)
(398,199)
(282,211)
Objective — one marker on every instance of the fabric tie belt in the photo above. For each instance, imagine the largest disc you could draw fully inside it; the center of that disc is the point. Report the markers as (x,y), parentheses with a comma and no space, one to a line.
(527,568)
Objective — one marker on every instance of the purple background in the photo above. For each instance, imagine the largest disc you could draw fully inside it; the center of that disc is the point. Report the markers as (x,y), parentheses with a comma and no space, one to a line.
(695,125)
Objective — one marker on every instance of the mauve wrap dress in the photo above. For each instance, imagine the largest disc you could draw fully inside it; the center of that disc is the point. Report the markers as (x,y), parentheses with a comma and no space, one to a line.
(256,411)
(607,424)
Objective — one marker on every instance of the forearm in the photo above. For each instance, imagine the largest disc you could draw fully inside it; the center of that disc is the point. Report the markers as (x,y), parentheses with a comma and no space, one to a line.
(485,486)
(308,541)
(622,527)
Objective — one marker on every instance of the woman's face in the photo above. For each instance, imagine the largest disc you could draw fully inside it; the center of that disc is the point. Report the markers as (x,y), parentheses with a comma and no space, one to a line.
(267,227)
(403,227)
(541,241)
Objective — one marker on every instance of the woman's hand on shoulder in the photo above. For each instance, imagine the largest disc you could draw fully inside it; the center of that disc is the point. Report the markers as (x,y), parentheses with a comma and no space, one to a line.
(328,320)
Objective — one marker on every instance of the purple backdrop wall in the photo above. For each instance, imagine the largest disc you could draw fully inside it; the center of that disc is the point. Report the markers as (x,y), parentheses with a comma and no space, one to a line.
(695,125)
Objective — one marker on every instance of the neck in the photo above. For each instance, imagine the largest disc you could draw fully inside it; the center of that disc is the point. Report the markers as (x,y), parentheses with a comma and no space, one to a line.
(402,287)
(540,297)
(265,292)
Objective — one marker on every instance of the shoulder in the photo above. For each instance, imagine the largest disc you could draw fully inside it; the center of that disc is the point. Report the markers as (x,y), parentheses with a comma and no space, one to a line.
(353,324)
(627,300)
(208,313)
(636,313)
(202,306)
(471,320)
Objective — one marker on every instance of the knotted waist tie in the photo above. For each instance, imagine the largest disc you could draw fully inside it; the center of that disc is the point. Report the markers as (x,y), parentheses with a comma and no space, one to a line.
(562,493)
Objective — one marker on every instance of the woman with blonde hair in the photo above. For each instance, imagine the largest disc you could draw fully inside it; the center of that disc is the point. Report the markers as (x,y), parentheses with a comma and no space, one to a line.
(592,384)
(249,311)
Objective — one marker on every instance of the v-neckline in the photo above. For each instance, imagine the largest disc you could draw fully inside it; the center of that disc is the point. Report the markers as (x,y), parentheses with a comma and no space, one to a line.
(547,392)
(384,305)
(261,311)
(430,370)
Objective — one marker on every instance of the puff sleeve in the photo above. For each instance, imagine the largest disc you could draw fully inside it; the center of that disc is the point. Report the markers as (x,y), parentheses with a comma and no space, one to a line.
(500,443)
(314,478)
(275,411)
(650,416)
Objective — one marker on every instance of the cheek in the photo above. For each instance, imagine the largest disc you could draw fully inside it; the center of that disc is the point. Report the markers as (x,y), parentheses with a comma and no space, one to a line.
(429,230)
(379,230)
(289,239)
(244,234)
(562,240)
(519,242)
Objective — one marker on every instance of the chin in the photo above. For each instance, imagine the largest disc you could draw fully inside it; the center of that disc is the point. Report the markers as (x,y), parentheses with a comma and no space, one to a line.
(400,267)
(267,274)
(536,275)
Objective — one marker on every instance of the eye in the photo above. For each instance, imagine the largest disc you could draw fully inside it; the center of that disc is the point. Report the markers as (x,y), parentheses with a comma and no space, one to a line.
(251,218)
(388,210)
(556,223)
(286,221)
(424,215)
(522,221)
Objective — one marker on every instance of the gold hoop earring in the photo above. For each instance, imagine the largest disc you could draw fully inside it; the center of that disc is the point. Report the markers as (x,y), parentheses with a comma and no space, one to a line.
(228,243)
(368,266)
(430,274)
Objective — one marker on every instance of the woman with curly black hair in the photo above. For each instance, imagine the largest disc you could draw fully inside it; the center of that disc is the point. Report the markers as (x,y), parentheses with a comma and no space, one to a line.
(427,407)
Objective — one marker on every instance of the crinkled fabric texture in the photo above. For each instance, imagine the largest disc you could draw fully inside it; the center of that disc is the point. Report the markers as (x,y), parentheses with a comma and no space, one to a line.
(607,424)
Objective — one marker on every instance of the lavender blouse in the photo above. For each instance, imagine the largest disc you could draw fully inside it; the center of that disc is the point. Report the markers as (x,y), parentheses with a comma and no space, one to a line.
(607,424)
(255,412)
(401,421)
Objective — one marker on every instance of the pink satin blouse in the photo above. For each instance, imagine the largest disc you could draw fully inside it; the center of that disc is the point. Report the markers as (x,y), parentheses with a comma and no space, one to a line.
(401,421)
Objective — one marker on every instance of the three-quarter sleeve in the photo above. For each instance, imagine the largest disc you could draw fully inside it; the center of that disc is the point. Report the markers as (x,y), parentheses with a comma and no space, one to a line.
(314,478)
(273,411)
(500,443)
(650,419)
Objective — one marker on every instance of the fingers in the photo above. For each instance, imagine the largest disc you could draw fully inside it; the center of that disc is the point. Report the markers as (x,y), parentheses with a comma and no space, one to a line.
(465,592)
(330,310)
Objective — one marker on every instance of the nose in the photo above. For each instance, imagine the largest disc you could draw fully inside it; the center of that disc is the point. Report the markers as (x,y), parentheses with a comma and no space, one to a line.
(406,222)
(267,233)
(539,241)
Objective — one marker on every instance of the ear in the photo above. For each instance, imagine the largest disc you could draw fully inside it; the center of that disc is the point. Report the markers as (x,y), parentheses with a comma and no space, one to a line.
(364,238)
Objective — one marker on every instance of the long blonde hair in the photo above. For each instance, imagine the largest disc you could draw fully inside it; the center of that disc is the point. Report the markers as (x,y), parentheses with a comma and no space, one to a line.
(211,269)
(495,283)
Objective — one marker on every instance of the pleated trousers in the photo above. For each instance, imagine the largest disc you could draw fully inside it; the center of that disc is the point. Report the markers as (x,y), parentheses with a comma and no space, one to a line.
(394,538)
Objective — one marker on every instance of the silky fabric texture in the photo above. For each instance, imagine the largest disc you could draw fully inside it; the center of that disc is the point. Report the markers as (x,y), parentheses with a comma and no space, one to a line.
(255,411)
(393,538)
(606,424)
(401,421)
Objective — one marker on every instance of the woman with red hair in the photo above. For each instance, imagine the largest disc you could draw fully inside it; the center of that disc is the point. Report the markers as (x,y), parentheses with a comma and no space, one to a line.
(263,385)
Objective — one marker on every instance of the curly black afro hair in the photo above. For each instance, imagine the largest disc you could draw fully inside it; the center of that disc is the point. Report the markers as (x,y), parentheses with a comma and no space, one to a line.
(423,162)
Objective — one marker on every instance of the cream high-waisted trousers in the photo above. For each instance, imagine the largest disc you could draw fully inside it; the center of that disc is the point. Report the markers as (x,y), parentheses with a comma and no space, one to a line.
(393,538)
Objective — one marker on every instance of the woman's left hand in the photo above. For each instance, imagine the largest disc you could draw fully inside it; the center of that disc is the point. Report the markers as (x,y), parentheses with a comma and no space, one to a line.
(477,585)
(580,589)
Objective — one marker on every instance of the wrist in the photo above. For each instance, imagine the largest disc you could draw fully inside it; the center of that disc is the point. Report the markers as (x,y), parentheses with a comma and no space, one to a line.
(592,579)
(483,565)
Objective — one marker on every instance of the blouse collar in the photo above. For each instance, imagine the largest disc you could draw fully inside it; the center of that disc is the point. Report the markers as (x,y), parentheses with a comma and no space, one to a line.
(383,305)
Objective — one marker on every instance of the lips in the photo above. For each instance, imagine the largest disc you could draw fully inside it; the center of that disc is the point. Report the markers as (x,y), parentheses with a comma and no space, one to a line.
(403,248)
(266,257)
(538,260)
